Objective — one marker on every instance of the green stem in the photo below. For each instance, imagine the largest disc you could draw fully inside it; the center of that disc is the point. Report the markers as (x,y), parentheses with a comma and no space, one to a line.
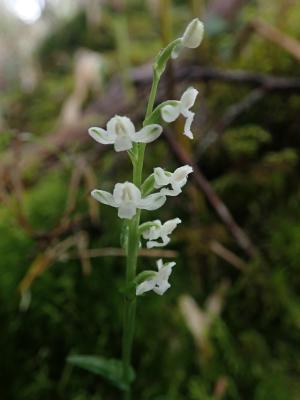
(132,252)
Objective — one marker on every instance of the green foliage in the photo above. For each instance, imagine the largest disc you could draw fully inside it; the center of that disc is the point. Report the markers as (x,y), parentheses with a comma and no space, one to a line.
(110,369)
(45,203)
(245,141)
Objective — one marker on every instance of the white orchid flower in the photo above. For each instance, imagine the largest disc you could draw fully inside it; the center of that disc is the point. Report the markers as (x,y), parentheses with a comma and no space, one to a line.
(159,282)
(176,180)
(191,38)
(120,132)
(157,230)
(170,112)
(127,198)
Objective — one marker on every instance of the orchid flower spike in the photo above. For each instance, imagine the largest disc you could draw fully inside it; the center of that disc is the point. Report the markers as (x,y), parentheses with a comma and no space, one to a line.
(120,132)
(159,282)
(191,38)
(127,198)
(176,180)
(157,230)
(170,112)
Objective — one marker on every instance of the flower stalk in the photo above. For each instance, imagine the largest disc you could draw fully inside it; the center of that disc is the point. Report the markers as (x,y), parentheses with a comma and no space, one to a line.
(132,251)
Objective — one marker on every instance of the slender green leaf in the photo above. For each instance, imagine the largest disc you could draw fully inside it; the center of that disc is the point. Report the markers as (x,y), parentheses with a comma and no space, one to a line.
(111,369)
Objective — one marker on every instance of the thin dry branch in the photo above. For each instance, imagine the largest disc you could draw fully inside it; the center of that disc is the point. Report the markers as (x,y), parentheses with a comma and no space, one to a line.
(118,252)
(227,255)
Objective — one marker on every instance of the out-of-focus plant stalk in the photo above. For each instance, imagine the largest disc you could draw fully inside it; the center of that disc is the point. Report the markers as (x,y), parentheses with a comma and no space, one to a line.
(123,50)
(197,7)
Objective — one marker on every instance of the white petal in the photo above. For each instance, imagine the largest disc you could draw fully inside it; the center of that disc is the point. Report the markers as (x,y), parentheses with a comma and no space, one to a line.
(165,272)
(152,202)
(161,177)
(148,134)
(126,192)
(159,264)
(123,143)
(169,226)
(181,173)
(104,197)
(101,136)
(171,192)
(193,34)
(152,233)
(188,123)
(170,113)
(161,288)
(188,99)
(127,210)
(145,287)
(153,243)
(120,126)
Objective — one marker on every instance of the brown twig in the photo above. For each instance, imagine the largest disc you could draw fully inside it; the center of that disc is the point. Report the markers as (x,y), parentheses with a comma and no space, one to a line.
(227,255)
(118,252)
(193,73)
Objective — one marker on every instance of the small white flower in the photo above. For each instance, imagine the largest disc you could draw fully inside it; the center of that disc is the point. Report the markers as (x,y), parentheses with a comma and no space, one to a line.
(120,132)
(170,112)
(193,34)
(192,37)
(177,179)
(127,198)
(160,231)
(159,283)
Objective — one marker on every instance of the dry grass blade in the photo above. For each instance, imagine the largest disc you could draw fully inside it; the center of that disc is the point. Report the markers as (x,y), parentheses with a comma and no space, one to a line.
(43,261)
(82,241)
(269,32)
(227,255)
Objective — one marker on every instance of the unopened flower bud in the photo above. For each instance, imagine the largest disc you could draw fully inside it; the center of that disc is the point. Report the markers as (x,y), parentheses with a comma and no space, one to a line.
(193,34)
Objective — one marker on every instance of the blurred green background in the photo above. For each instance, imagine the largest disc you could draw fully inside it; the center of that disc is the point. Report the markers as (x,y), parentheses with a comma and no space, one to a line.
(229,326)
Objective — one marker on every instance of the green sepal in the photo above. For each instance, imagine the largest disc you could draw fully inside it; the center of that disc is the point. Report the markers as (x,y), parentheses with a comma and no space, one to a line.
(144,276)
(146,226)
(163,57)
(109,368)
(129,289)
(148,185)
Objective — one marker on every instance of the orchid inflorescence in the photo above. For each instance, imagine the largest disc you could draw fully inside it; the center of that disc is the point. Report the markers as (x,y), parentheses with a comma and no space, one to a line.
(127,197)
(132,197)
